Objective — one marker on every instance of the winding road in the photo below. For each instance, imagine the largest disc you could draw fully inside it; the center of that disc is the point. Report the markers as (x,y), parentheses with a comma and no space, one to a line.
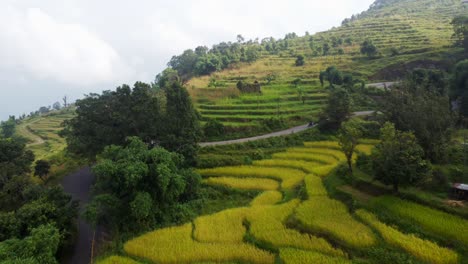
(289,131)
(79,184)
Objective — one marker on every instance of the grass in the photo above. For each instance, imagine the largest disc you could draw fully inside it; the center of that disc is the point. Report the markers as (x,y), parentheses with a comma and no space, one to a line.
(424,250)
(243,183)
(442,224)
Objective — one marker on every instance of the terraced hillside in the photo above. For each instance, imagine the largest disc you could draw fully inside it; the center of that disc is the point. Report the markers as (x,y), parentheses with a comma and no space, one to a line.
(280,226)
(42,133)
(407,33)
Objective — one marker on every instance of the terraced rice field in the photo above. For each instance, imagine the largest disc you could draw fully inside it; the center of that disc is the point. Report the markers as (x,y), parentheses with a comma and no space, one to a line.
(328,229)
(42,133)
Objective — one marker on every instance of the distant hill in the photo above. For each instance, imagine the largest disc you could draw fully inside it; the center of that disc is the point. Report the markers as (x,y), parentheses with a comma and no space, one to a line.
(407,34)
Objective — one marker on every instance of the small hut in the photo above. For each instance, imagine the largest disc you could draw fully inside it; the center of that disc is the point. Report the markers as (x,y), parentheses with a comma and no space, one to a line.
(460,191)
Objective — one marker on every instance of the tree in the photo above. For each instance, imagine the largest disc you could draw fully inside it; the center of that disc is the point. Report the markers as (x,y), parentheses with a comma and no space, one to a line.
(42,169)
(296,82)
(135,184)
(65,101)
(368,48)
(338,108)
(213,128)
(326,49)
(240,38)
(348,137)
(459,86)
(14,159)
(57,106)
(420,104)
(165,79)
(301,93)
(332,75)
(8,127)
(460,28)
(109,118)
(300,60)
(398,159)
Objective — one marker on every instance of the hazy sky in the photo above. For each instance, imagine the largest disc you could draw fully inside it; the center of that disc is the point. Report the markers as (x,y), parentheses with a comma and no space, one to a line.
(52,48)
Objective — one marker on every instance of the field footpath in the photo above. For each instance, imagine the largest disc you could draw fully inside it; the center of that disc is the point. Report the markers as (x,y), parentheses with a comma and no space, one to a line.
(288,131)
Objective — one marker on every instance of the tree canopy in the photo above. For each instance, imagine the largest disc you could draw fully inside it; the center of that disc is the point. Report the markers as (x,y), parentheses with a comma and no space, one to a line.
(398,160)
(138,187)
(368,48)
(109,118)
(338,108)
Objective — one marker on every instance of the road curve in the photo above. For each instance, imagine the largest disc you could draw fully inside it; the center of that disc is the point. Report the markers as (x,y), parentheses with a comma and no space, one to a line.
(289,131)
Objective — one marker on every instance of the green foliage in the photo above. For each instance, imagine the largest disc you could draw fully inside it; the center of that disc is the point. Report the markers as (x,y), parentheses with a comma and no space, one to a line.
(14,159)
(7,128)
(398,160)
(460,28)
(213,128)
(300,60)
(141,188)
(421,105)
(166,78)
(109,118)
(348,138)
(38,248)
(332,75)
(42,169)
(338,107)
(369,49)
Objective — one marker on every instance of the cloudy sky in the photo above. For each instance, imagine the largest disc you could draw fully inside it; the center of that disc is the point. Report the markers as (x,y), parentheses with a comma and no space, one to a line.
(52,48)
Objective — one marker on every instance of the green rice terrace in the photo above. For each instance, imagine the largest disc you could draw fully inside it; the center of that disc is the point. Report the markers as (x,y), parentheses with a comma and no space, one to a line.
(407,34)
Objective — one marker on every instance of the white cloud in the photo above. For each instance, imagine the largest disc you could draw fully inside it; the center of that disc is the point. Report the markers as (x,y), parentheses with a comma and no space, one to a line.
(33,42)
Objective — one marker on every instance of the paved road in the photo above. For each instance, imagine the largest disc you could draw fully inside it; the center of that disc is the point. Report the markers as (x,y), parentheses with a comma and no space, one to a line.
(381,85)
(78,184)
(270,135)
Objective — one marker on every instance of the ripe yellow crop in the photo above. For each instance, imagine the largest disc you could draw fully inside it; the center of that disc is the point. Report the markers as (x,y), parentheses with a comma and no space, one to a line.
(118,260)
(223,227)
(314,186)
(267,198)
(306,166)
(424,250)
(244,183)
(175,245)
(330,217)
(267,225)
(433,221)
(295,256)
(311,157)
(323,145)
(290,178)
(337,154)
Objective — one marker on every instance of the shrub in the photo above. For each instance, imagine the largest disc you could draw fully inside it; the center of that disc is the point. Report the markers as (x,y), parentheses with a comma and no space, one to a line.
(213,128)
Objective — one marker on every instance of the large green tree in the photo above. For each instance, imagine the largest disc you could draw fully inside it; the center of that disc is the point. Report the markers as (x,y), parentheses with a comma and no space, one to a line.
(110,118)
(459,87)
(368,48)
(460,28)
(398,160)
(421,104)
(338,108)
(138,187)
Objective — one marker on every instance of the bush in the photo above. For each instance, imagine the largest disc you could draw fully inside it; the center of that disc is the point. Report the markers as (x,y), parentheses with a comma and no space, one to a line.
(213,128)
(273,123)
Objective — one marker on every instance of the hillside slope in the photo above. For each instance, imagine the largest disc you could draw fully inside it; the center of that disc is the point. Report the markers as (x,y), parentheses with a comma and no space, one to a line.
(407,33)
